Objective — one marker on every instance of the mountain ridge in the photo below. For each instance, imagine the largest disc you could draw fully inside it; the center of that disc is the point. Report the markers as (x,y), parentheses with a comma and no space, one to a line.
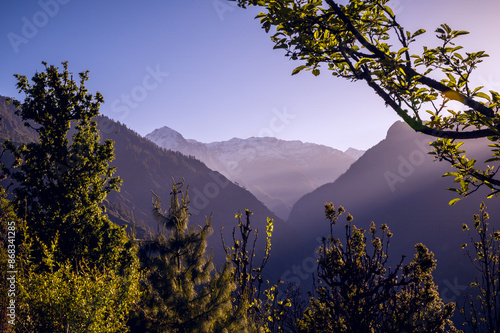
(278,172)
(144,167)
(398,183)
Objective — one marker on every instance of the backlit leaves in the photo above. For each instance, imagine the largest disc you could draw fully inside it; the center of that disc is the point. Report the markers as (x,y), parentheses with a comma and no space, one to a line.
(363,41)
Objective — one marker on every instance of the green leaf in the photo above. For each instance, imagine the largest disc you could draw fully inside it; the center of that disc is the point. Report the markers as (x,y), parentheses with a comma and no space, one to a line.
(451,78)
(483,95)
(401,51)
(315,72)
(361,62)
(418,33)
(298,69)
(454,201)
(389,11)
(460,33)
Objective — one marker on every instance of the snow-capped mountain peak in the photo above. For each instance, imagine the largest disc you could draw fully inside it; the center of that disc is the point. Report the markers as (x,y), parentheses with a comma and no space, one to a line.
(277,172)
(168,138)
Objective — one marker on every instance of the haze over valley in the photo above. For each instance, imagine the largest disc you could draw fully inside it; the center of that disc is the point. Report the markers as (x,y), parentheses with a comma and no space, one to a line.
(395,182)
(277,172)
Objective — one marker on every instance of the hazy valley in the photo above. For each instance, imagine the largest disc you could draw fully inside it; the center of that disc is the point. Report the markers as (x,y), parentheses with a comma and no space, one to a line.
(395,182)
(277,172)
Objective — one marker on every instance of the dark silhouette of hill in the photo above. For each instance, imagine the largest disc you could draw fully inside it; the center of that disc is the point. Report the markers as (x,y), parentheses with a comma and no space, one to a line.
(144,167)
(398,183)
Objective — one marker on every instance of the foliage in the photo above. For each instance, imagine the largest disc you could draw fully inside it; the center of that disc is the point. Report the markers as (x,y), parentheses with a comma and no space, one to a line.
(357,292)
(13,258)
(363,41)
(63,178)
(65,299)
(62,298)
(286,309)
(481,310)
(252,312)
(75,269)
(182,290)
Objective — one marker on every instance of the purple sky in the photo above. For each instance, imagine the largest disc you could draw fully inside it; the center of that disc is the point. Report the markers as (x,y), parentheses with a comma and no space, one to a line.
(206,69)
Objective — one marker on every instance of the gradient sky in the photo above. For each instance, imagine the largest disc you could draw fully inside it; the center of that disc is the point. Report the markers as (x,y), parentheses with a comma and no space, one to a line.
(206,69)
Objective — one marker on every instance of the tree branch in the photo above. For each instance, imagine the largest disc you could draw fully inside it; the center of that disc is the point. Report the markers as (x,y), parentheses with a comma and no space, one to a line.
(410,71)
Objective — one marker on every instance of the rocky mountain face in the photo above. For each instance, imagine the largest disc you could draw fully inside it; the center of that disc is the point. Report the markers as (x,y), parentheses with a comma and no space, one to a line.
(277,172)
(397,182)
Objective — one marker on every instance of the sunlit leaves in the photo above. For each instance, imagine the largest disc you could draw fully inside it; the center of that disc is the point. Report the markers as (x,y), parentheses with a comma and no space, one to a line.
(363,40)
(481,308)
(63,180)
(85,300)
(356,287)
(298,69)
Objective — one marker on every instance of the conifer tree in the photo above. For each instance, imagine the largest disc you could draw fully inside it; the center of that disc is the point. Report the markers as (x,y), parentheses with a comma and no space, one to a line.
(358,293)
(182,290)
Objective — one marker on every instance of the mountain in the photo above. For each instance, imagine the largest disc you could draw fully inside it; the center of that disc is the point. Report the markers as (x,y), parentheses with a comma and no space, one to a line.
(11,126)
(397,182)
(356,153)
(277,172)
(144,167)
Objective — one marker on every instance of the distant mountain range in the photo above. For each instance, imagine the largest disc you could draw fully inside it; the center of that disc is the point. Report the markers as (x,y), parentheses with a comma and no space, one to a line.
(144,167)
(277,172)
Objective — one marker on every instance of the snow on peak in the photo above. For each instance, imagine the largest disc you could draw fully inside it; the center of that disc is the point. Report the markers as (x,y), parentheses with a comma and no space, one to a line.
(167,138)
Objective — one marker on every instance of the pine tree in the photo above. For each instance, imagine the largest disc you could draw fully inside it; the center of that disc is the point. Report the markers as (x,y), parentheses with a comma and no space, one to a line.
(357,292)
(182,290)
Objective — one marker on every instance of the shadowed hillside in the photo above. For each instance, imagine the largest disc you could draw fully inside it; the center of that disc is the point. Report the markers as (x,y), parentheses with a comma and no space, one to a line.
(396,182)
(144,167)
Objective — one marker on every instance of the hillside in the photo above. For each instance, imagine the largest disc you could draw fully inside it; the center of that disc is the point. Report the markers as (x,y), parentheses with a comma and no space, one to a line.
(277,172)
(11,126)
(398,183)
(144,167)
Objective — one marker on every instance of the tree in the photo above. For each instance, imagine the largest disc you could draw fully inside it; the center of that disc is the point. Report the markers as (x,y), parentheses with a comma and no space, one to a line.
(481,310)
(78,270)
(63,178)
(251,312)
(13,258)
(357,292)
(183,293)
(286,309)
(67,299)
(364,41)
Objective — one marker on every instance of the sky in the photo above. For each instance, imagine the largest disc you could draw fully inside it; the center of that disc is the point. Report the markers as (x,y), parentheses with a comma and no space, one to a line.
(206,69)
